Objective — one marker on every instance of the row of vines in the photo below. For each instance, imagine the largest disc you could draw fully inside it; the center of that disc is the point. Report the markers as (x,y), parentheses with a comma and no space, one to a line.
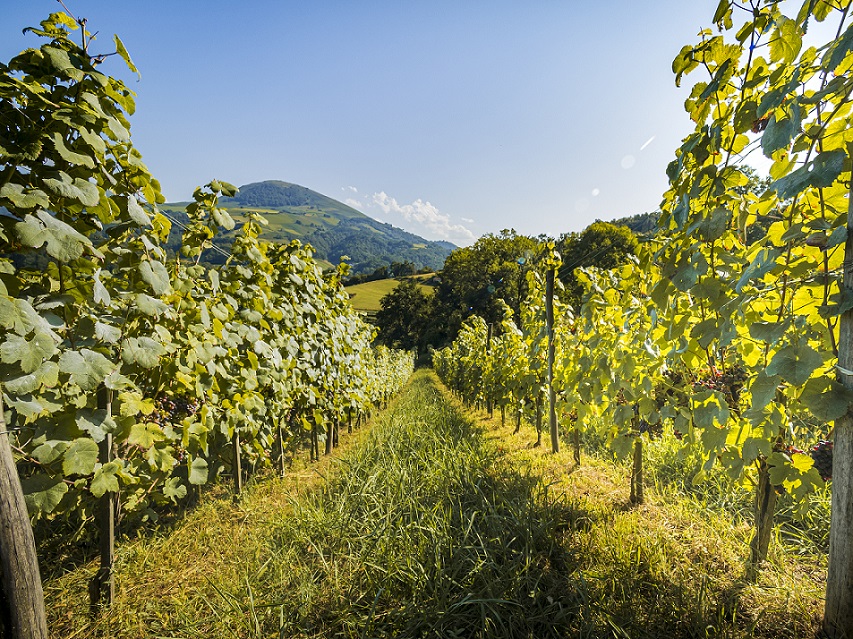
(733,326)
(129,376)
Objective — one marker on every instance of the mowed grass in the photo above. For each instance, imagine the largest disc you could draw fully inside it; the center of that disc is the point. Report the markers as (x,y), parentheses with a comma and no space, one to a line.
(438,522)
(366,297)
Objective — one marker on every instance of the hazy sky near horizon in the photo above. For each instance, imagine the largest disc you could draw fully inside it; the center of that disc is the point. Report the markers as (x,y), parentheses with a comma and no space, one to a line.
(449,119)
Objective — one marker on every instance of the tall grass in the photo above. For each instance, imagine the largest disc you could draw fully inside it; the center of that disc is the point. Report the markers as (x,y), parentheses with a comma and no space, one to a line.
(425,533)
(440,523)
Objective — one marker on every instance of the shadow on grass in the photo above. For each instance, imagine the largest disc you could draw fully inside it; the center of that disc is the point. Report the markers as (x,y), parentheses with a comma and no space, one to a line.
(428,532)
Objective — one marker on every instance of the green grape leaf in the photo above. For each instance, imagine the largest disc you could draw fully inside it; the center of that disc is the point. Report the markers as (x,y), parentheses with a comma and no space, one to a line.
(160,458)
(779,468)
(46,375)
(107,333)
(714,225)
(770,332)
(27,405)
(710,409)
(150,306)
(61,63)
(688,271)
(132,404)
(622,445)
(838,50)
(124,55)
(50,451)
(820,172)
(156,275)
(222,218)
(97,423)
(826,168)
(762,264)
(795,363)
(96,142)
(72,157)
(145,435)
(755,446)
(105,479)
(778,135)
(63,242)
(87,368)
(100,293)
(18,315)
(802,462)
(787,40)
(31,199)
(174,489)
(80,457)
(143,351)
(763,389)
(42,493)
(198,471)
(30,353)
(137,213)
(826,398)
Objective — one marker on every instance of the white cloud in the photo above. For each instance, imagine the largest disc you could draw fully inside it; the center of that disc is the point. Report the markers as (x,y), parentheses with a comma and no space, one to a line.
(426,216)
(353,203)
(467,220)
(352,189)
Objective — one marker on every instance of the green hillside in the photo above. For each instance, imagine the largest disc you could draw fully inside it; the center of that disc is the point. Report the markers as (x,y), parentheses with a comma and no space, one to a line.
(366,297)
(334,229)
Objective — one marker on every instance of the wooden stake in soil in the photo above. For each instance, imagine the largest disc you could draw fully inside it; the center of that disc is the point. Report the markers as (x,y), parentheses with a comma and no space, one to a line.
(489,402)
(330,437)
(22,590)
(280,451)
(538,418)
(102,586)
(238,470)
(552,396)
(637,495)
(765,507)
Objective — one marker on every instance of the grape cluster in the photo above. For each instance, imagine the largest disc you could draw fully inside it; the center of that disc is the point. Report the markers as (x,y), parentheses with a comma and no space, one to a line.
(171,410)
(822,455)
(654,430)
(729,382)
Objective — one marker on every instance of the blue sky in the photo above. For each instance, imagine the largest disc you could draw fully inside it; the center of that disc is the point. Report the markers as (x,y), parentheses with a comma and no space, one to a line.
(448,118)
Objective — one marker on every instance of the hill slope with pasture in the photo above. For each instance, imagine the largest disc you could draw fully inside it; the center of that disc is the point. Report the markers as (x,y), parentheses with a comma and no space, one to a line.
(334,229)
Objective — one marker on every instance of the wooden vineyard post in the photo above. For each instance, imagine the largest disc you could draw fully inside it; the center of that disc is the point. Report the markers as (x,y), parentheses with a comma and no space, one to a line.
(765,507)
(838,613)
(637,496)
(330,436)
(102,585)
(539,417)
(552,397)
(238,469)
(576,441)
(23,613)
(489,403)
(280,451)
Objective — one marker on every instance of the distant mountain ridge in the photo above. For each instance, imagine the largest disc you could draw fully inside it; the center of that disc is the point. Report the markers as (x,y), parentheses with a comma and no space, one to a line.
(331,227)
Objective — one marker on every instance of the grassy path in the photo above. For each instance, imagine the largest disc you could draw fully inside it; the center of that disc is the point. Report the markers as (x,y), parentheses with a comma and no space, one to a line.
(438,523)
